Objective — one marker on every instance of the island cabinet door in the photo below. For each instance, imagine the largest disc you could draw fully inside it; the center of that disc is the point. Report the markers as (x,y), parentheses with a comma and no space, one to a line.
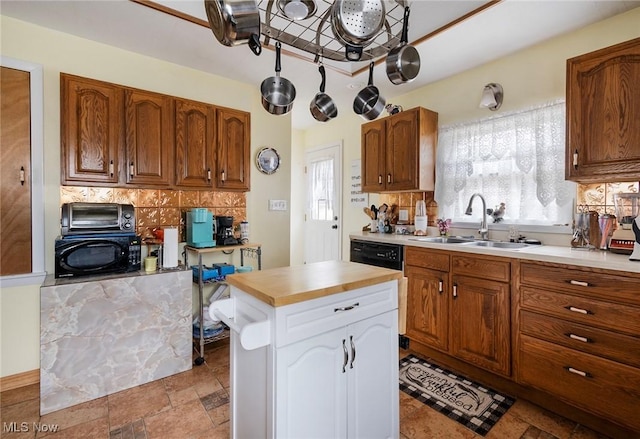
(311,387)
(340,384)
(373,394)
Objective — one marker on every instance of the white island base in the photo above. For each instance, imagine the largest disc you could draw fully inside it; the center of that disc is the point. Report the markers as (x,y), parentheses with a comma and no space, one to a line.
(330,365)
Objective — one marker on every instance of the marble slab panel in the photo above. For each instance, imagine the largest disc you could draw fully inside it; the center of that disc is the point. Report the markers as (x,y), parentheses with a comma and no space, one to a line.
(98,337)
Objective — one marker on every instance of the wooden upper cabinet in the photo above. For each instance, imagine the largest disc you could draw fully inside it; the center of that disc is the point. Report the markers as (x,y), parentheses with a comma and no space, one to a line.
(91,131)
(374,136)
(398,152)
(195,144)
(603,110)
(234,142)
(124,137)
(149,138)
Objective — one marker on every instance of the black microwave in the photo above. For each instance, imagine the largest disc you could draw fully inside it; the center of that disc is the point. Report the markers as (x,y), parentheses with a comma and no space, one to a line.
(83,255)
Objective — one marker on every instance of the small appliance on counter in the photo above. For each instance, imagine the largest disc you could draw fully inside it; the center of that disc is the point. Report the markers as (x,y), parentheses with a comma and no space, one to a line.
(96,218)
(624,240)
(200,228)
(224,227)
(635,255)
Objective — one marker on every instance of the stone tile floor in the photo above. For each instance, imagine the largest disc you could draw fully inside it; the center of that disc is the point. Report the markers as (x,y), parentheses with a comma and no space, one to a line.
(195,405)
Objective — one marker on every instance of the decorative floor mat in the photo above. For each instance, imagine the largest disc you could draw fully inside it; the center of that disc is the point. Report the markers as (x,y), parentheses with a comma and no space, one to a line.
(460,399)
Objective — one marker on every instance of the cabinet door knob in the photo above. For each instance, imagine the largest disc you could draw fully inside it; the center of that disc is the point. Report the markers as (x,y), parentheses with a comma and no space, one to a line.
(379,179)
(388,178)
(209,175)
(22,175)
(131,169)
(575,159)
(455,291)
(353,352)
(346,355)
(578,310)
(440,287)
(579,338)
(222,176)
(578,372)
(111,168)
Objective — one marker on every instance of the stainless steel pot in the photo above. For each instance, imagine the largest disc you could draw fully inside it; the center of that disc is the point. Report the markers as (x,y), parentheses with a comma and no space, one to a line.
(368,102)
(278,93)
(235,22)
(356,23)
(322,106)
(403,61)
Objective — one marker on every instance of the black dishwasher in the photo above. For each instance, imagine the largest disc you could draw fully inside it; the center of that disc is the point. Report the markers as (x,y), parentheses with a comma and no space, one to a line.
(378,254)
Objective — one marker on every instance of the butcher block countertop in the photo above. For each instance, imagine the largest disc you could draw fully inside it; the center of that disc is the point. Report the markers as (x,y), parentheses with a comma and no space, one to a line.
(288,285)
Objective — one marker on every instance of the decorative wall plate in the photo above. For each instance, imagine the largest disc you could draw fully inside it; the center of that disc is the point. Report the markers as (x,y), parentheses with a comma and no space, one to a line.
(268,160)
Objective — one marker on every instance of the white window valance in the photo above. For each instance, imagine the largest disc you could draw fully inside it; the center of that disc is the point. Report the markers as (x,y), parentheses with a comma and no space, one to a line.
(517,159)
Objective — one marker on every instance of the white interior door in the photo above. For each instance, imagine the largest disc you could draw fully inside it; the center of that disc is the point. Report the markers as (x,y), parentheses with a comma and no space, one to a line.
(323,217)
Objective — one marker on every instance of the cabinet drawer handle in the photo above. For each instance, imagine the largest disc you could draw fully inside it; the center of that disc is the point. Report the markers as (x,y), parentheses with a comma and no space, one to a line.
(346,355)
(580,283)
(578,310)
(440,287)
(346,308)
(579,338)
(455,291)
(578,372)
(353,352)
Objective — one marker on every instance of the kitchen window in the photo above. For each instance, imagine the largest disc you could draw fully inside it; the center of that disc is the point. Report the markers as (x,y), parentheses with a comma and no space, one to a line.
(516,158)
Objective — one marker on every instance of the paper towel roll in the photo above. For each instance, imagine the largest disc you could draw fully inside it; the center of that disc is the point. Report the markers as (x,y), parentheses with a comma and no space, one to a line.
(170,252)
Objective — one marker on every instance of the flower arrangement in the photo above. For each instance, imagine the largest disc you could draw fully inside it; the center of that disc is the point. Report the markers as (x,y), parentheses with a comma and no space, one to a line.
(444,225)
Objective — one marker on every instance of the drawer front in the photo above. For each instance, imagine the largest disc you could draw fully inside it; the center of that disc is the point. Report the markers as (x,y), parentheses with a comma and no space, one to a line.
(426,258)
(307,319)
(607,285)
(592,312)
(608,389)
(488,268)
(599,342)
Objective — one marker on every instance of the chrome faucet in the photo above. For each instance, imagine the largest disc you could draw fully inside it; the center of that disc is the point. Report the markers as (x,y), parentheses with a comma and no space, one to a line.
(484,230)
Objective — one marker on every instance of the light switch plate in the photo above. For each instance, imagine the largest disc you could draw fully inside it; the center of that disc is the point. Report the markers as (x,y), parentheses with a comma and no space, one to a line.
(277,204)
(403,215)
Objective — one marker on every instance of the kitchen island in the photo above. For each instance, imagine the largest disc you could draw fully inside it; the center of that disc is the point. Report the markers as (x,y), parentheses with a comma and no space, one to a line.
(314,351)
(103,334)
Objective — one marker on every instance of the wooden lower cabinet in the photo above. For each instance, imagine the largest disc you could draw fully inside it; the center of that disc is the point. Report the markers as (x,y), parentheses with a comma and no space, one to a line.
(460,304)
(578,338)
(606,388)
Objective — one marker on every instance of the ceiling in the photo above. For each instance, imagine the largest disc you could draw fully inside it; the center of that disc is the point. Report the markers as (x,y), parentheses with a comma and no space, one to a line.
(451,36)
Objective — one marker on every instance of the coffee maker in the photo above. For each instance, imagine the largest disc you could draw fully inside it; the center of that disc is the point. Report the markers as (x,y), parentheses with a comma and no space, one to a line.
(224,228)
(200,231)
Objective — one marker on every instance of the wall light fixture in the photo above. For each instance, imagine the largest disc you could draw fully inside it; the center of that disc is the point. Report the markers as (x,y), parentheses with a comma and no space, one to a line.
(492,96)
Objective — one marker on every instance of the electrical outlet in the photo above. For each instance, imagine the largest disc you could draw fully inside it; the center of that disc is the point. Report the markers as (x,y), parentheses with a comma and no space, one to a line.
(277,204)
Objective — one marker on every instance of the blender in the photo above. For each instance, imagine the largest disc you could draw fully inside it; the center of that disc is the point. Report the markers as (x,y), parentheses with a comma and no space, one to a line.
(625,239)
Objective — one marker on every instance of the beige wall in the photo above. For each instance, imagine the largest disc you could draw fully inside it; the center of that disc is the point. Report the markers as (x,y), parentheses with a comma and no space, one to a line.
(58,52)
(529,77)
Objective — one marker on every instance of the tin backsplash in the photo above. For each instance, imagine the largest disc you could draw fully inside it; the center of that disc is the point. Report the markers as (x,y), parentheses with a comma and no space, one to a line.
(158,208)
(599,196)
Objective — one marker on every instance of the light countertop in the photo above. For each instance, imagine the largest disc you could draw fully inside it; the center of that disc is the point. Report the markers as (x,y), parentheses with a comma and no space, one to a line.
(288,285)
(544,253)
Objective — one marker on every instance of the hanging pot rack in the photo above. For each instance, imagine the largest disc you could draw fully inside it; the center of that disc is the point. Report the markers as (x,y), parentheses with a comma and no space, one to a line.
(314,35)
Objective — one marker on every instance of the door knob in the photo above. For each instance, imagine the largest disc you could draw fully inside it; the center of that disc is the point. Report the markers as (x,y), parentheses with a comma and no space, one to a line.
(335,226)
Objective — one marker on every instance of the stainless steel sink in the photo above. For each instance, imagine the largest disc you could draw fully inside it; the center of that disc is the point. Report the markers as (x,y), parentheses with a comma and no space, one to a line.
(444,239)
(500,244)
